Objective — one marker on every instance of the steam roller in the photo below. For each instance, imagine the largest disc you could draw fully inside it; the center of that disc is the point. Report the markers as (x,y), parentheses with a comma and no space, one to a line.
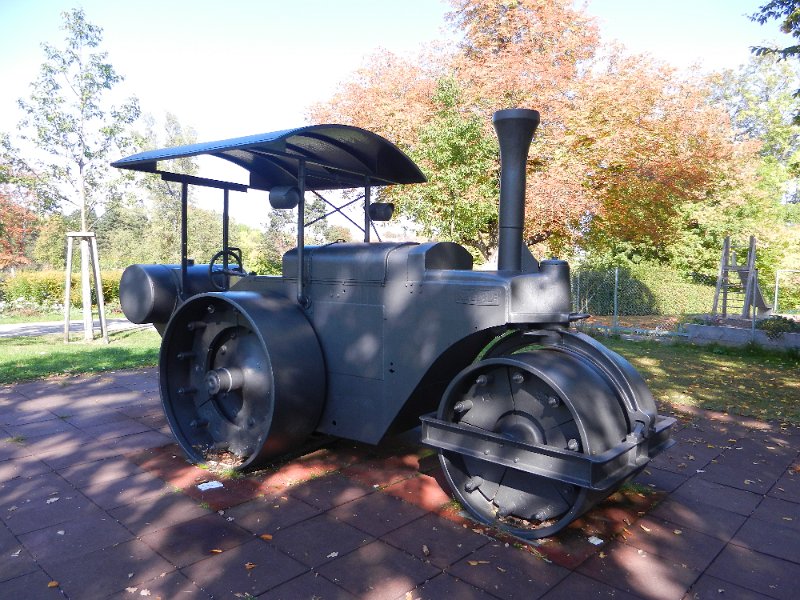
(534,422)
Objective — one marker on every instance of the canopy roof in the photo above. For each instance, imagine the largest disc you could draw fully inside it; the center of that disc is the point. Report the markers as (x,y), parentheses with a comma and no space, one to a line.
(336,157)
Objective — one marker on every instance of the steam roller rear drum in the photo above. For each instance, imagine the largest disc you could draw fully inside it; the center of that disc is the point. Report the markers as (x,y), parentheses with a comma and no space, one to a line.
(242,377)
(548,398)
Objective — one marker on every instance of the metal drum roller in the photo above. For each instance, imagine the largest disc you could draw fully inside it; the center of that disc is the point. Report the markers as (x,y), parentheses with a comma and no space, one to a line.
(241,373)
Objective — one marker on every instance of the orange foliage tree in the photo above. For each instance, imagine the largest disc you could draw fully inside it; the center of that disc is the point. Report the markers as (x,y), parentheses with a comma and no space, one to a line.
(17,226)
(623,141)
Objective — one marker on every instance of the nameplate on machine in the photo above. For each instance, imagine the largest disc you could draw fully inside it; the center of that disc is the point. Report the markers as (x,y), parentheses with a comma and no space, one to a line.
(478,297)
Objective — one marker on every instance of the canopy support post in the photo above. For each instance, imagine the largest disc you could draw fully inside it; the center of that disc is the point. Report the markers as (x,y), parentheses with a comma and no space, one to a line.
(367,199)
(301,214)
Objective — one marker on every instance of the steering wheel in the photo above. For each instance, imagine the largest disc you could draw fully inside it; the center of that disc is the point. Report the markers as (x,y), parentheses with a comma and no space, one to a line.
(235,268)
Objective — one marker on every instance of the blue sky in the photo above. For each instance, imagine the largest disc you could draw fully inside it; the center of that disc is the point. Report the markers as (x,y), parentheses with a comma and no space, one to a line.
(246,66)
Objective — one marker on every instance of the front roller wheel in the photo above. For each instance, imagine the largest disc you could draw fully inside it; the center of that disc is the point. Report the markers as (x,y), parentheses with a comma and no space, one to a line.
(242,377)
(543,398)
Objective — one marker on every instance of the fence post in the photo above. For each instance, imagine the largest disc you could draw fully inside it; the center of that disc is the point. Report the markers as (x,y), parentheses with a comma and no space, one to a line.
(775,299)
(615,320)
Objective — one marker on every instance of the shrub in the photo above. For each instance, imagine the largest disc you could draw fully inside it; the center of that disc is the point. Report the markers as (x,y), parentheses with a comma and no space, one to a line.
(775,326)
(46,288)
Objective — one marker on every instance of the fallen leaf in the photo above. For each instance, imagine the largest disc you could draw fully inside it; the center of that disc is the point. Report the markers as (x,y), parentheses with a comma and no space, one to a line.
(677,532)
(131,590)
(475,563)
(425,550)
(52,584)
(332,555)
(602,554)
(249,566)
(144,592)
(51,500)
(216,551)
(501,569)
(266,537)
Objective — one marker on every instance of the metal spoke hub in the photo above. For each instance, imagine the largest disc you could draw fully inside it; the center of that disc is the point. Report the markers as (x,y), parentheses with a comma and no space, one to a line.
(542,398)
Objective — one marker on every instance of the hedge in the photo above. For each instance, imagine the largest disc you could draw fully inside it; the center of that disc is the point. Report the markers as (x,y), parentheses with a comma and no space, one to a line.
(643,290)
(46,288)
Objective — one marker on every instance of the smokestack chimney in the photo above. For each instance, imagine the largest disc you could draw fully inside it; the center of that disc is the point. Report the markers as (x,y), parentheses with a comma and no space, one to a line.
(515,128)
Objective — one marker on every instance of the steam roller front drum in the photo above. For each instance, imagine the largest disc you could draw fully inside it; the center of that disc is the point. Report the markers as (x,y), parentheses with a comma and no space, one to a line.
(543,399)
(242,378)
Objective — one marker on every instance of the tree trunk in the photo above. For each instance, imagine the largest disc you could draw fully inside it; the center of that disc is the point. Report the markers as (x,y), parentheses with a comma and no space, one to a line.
(86,289)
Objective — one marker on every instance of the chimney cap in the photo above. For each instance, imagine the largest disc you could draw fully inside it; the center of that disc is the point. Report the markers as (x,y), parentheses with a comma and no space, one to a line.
(516,113)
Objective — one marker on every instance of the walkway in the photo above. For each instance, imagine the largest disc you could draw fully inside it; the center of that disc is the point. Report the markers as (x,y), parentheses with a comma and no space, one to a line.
(96,501)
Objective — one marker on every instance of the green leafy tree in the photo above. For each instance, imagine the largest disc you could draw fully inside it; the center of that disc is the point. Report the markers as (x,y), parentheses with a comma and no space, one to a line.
(459,203)
(49,248)
(759,99)
(788,13)
(76,130)
(69,119)
(164,197)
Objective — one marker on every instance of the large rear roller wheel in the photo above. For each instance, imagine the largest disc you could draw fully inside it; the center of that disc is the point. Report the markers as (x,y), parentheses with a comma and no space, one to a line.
(242,377)
(545,397)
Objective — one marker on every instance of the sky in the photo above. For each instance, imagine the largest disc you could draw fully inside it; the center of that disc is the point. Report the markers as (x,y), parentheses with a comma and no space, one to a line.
(249,66)
(240,67)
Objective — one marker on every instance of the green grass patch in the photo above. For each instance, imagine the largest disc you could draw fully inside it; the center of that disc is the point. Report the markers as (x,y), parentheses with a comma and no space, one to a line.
(24,358)
(744,381)
(36,314)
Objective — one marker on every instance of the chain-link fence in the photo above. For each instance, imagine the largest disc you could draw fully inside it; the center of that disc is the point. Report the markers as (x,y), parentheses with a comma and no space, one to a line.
(620,300)
(786,298)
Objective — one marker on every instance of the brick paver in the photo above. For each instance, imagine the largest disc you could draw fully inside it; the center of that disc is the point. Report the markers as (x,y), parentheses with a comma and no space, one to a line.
(96,501)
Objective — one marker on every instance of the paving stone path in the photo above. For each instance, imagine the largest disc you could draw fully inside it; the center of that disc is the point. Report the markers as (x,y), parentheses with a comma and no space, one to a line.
(96,501)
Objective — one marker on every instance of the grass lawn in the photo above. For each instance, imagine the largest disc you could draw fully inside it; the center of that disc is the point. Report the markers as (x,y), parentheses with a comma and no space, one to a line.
(13,317)
(34,357)
(744,381)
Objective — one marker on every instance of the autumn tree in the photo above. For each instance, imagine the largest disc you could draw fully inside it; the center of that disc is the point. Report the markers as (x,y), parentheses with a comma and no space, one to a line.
(17,228)
(651,144)
(623,142)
